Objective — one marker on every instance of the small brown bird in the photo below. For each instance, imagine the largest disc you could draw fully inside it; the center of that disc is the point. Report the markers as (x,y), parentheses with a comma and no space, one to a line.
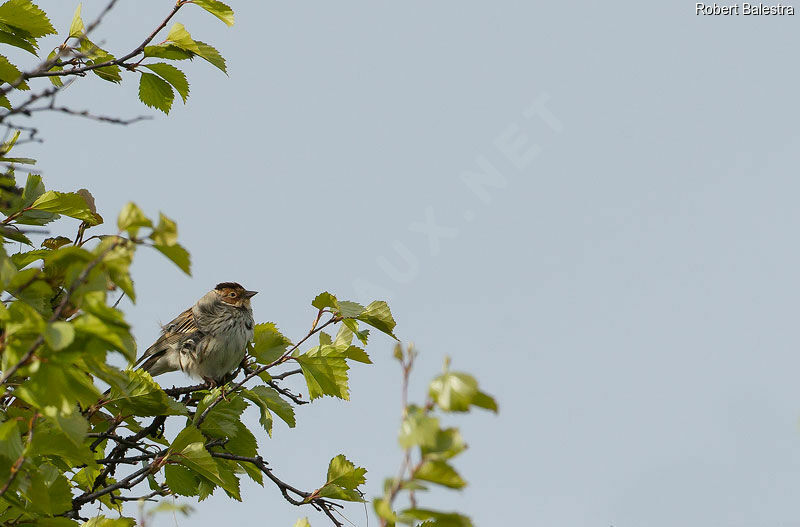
(208,340)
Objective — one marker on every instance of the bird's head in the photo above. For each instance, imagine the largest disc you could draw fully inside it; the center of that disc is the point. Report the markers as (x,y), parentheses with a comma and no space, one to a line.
(234,294)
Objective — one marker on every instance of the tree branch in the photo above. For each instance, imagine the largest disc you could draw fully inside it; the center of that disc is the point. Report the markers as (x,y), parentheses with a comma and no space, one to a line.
(321,504)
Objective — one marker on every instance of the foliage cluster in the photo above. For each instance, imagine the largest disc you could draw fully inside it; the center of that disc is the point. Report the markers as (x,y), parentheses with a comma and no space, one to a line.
(66,446)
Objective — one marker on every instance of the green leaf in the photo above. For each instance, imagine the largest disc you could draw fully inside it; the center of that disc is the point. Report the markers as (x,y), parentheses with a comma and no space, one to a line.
(439,472)
(116,337)
(131,219)
(352,325)
(350,309)
(62,435)
(325,371)
(10,440)
(210,53)
(59,335)
(25,15)
(167,51)
(58,387)
(302,522)
(69,204)
(8,72)
(102,521)
(357,354)
(22,260)
(268,343)
(28,44)
(456,392)
(172,75)
(178,255)
(343,480)
(166,233)
(142,397)
(418,428)
(76,29)
(378,315)
(111,72)
(48,491)
(448,444)
(55,243)
(118,263)
(186,437)
(325,300)
(155,92)
(439,519)
(221,421)
(218,9)
(181,480)
(269,399)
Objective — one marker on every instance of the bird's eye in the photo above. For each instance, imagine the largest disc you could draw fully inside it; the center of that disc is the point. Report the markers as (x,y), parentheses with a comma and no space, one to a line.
(232,294)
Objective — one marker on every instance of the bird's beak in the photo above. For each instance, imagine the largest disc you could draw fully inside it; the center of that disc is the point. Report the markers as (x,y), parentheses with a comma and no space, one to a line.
(250,294)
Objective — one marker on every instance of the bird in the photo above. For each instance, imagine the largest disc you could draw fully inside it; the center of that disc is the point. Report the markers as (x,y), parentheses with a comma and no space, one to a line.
(208,340)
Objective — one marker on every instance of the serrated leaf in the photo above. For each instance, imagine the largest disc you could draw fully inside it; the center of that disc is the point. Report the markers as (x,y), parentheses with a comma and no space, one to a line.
(343,473)
(181,480)
(155,92)
(76,28)
(166,232)
(325,300)
(172,75)
(178,255)
(8,72)
(357,354)
(325,372)
(167,51)
(218,9)
(131,219)
(269,399)
(352,325)
(142,396)
(69,204)
(378,315)
(25,15)
(111,72)
(211,54)
(59,388)
(268,343)
(55,243)
(24,259)
(221,421)
(349,309)
(28,44)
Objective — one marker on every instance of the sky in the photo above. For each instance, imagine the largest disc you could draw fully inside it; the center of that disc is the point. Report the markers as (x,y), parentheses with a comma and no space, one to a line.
(588,205)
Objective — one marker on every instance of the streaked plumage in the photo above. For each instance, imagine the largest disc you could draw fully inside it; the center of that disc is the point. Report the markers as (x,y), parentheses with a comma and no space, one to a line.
(208,340)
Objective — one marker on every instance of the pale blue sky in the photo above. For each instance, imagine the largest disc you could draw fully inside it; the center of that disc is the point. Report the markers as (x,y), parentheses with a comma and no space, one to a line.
(629,294)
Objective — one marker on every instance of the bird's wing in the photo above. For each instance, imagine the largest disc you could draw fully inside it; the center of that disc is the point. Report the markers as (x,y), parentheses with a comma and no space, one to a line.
(177,330)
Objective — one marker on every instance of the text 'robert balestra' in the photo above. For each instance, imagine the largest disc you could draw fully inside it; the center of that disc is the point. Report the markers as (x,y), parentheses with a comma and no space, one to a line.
(746,9)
